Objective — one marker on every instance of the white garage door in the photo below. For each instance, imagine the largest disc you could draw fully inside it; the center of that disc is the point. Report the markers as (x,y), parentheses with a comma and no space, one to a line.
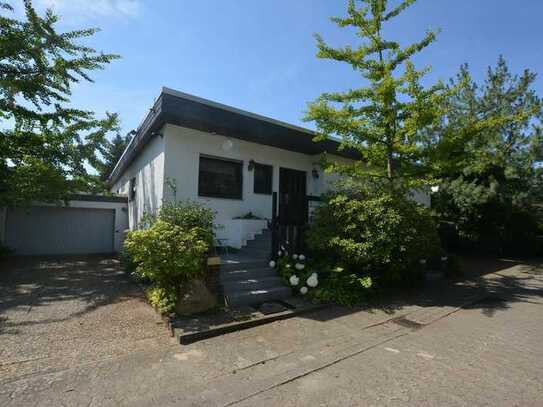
(60,230)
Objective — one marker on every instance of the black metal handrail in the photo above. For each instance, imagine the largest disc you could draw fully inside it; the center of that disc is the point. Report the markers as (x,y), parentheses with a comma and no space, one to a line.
(288,232)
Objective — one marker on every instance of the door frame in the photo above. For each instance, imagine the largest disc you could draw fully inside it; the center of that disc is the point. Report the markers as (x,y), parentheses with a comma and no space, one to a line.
(283,173)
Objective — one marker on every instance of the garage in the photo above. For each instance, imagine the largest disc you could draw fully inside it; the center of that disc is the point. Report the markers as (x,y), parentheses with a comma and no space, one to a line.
(88,225)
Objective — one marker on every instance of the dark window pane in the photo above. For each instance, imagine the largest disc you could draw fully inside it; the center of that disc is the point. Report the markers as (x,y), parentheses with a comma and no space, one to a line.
(263,179)
(220,178)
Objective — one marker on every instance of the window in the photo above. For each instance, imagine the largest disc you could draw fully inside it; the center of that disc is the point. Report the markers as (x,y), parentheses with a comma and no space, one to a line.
(220,178)
(263,179)
(132,189)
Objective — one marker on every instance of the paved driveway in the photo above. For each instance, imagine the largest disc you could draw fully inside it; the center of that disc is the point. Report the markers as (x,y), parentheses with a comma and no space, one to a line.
(476,343)
(60,313)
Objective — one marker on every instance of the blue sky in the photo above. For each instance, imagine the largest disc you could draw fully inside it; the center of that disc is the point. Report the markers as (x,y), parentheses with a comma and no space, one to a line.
(259,55)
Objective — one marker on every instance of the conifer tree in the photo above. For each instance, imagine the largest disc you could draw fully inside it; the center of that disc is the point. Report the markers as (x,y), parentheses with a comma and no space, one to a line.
(386,119)
(112,153)
(489,151)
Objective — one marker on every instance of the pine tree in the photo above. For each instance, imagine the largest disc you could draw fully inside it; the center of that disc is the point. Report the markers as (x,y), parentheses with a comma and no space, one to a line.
(112,153)
(46,146)
(489,150)
(386,121)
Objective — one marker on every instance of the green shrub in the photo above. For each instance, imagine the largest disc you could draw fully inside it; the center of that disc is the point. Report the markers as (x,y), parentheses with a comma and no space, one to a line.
(382,236)
(344,288)
(296,266)
(171,250)
(167,254)
(189,216)
(162,299)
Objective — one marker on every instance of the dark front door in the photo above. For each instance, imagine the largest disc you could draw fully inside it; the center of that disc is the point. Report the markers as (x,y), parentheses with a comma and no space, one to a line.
(292,195)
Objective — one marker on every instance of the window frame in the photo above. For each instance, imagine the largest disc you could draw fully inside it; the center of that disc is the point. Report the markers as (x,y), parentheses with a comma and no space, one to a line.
(239,168)
(268,167)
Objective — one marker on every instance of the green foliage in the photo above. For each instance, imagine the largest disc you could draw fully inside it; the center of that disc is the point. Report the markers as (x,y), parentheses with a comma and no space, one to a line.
(388,121)
(46,145)
(111,153)
(162,299)
(333,283)
(188,215)
(171,250)
(382,235)
(166,254)
(344,288)
(488,154)
(291,265)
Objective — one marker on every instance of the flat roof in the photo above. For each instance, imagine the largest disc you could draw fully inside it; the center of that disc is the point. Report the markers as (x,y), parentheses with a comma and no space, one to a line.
(185,110)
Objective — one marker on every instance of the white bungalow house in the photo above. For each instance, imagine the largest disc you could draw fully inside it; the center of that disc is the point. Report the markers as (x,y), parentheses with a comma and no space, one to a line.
(236,163)
(229,159)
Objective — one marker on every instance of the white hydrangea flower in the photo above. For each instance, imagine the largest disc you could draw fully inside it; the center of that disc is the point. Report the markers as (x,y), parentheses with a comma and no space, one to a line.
(279,253)
(444,258)
(303,290)
(272,264)
(294,280)
(422,261)
(295,256)
(313,280)
(299,266)
(301,257)
(287,266)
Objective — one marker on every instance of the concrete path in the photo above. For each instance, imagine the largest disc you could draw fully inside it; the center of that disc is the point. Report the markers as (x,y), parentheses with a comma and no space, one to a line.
(475,343)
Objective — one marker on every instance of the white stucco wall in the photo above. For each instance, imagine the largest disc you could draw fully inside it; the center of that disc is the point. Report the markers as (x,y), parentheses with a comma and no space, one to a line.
(184,147)
(148,169)
(176,156)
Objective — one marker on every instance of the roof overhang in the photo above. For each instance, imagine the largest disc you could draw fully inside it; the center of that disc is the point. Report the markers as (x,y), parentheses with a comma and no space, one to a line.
(181,109)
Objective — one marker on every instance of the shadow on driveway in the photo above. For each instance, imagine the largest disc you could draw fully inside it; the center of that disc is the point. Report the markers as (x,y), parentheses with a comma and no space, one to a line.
(59,312)
(489,284)
(81,283)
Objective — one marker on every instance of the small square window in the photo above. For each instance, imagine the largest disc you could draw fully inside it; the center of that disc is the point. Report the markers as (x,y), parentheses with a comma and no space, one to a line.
(263,179)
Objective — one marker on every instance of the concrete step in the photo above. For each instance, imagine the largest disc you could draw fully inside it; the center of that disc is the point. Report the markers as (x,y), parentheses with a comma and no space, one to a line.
(255,252)
(258,296)
(260,245)
(244,274)
(247,284)
(244,266)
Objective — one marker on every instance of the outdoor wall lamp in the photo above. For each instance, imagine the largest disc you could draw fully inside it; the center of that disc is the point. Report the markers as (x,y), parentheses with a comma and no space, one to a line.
(251,165)
(315,173)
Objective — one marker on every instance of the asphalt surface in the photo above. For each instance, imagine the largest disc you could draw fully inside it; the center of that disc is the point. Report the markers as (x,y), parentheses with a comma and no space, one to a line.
(474,343)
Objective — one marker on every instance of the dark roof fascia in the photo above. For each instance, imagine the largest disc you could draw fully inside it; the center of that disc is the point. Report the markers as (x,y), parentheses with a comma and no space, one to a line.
(98,198)
(177,108)
(152,123)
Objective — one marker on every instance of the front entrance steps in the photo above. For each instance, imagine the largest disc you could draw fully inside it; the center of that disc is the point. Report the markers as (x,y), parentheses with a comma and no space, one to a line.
(246,277)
